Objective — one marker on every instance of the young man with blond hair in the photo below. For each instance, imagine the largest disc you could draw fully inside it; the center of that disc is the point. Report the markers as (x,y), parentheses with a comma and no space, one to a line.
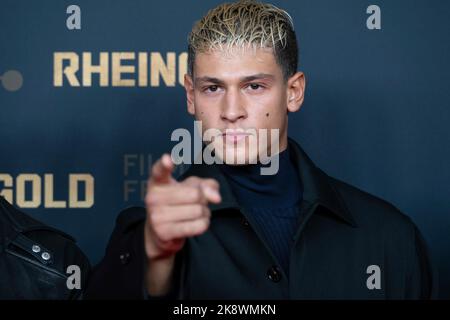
(226,231)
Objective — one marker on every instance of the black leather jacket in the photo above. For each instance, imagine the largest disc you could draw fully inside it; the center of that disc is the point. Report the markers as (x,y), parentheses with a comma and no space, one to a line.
(34,258)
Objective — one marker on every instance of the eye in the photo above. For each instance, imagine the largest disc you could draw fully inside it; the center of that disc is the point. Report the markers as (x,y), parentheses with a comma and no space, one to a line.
(255,86)
(212,88)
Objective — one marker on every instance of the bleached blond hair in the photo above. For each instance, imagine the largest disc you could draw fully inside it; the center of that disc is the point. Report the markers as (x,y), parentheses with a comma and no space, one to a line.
(246,24)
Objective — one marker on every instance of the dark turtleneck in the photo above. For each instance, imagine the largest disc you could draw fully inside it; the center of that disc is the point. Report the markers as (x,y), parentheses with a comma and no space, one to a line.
(272,201)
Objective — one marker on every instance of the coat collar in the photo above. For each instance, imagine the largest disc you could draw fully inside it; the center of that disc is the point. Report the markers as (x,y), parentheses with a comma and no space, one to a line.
(317,188)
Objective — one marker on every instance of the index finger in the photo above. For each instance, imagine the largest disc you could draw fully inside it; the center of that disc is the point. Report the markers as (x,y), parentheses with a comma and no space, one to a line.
(162,170)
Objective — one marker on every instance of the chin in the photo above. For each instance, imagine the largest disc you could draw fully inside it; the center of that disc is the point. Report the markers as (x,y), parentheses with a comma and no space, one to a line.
(236,155)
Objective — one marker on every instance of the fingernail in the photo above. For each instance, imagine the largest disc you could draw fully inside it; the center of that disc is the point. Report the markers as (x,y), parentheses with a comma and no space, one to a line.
(212,192)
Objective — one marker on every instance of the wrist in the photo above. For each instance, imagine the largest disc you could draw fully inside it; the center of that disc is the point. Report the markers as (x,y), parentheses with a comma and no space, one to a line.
(152,250)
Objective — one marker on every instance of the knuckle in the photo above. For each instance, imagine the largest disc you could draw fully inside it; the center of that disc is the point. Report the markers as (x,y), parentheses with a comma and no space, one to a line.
(203,225)
(198,210)
(186,229)
(191,180)
(212,182)
(196,194)
(206,223)
(206,211)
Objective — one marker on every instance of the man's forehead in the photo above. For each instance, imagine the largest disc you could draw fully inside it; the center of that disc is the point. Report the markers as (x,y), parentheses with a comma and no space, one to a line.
(236,53)
(236,63)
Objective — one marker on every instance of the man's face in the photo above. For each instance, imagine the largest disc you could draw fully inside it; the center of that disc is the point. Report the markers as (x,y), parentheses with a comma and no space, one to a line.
(239,93)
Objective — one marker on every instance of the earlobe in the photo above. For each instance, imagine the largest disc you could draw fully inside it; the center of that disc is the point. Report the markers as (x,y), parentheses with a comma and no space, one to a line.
(190,108)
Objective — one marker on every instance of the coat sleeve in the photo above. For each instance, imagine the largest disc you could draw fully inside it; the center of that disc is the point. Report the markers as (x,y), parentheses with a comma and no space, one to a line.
(74,256)
(120,274)
(422,282)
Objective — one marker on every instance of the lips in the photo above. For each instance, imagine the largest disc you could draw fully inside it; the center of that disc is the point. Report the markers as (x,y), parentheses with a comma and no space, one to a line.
(234,136)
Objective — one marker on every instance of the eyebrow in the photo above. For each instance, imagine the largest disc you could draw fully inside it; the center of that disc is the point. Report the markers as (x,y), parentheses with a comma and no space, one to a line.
(253,77)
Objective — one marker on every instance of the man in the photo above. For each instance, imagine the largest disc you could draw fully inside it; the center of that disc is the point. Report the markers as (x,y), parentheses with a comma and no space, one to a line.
(226,231)
(34,259)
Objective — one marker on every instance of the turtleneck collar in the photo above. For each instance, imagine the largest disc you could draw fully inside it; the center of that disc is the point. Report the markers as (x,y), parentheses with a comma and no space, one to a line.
(254,190)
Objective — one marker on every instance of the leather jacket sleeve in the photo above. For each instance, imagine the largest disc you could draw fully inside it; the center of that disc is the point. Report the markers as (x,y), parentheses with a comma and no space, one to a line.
(37,261)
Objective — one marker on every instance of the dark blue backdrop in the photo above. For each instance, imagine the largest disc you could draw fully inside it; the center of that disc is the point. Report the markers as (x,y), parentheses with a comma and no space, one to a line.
(375,115)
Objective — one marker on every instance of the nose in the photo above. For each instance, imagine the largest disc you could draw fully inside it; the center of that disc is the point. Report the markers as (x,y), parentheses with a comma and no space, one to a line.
(233,107)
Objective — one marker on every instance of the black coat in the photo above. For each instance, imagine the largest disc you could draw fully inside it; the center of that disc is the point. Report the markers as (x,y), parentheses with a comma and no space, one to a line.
(343,235)
(34,258)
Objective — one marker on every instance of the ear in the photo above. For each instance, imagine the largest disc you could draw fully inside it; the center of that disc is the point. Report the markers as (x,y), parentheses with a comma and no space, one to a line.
(295,91)
(189,87)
